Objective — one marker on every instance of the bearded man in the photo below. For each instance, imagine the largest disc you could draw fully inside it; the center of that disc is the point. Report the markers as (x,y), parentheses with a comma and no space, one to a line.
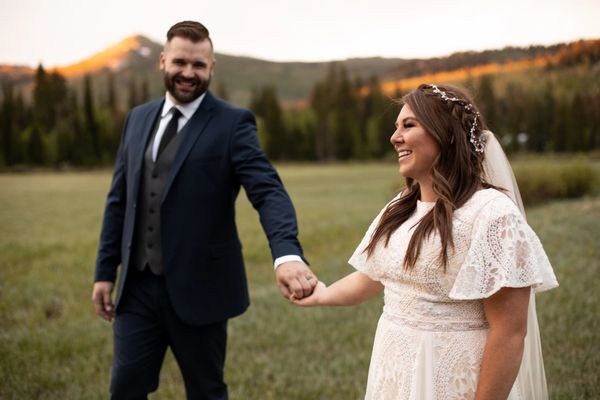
(169,223)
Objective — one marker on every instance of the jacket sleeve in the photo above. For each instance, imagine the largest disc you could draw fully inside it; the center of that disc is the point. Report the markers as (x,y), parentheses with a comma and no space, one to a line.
(109,249)
(264,188)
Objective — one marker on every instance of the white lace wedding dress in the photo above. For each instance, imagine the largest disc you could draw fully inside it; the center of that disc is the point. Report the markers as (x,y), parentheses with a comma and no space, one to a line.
(431,335)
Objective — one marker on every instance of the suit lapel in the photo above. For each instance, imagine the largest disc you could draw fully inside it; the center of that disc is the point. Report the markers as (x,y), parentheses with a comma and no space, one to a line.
(193,130)
(149,117)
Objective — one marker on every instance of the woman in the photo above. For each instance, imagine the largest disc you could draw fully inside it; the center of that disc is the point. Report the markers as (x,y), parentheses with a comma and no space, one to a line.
(456,261)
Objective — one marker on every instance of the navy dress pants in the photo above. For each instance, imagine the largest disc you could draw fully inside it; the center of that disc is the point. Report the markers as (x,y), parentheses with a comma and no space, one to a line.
(145,325)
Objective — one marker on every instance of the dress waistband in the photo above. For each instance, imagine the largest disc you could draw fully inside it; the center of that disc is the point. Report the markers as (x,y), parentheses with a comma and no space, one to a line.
(437,326)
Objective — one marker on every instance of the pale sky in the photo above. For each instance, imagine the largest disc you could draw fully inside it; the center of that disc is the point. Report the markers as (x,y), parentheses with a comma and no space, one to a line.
(61,32)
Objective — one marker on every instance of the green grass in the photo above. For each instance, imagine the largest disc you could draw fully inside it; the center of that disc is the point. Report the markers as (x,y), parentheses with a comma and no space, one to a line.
(52,346)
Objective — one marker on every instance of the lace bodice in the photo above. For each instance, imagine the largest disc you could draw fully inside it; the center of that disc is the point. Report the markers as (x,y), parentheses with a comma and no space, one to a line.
(493,248)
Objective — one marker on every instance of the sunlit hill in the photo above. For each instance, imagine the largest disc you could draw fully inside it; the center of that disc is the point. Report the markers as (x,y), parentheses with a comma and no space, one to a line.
(135,60)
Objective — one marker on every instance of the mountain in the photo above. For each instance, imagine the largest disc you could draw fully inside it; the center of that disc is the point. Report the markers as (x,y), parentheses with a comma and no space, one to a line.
(133,52)
(133,64)
(16,74)
(136,58)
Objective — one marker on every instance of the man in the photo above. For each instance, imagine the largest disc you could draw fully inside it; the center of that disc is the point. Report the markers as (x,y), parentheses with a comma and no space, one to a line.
(169,223)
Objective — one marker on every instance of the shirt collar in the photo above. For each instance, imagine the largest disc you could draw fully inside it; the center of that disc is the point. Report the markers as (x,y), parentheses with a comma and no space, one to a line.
(187,109)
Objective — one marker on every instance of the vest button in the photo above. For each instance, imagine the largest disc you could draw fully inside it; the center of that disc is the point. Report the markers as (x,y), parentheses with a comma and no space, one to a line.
(150,228)
(154,175)
(152,194)
(149,245)
(151,211)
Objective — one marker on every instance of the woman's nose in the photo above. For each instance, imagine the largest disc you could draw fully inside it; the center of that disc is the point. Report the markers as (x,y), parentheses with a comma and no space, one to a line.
(397,137)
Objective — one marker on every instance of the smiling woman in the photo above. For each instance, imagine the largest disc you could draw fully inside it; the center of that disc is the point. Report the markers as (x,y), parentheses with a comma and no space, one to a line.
(456,261)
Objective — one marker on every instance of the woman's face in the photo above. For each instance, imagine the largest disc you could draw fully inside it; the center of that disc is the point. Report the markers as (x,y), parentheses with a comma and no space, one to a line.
(416,148)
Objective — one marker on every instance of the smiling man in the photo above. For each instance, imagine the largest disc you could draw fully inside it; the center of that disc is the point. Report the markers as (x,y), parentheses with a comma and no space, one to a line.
(169,223)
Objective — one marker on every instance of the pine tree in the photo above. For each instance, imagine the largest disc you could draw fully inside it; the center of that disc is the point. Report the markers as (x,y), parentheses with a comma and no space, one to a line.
(7,126)
(378,116)
(346,119)
(91,125)
(266,106)
(111,98)
(577,134)
(145,93)
(322,101)
(486,99)
(35,147)
(42,100)
(133,94)
(82,151)
(116,119)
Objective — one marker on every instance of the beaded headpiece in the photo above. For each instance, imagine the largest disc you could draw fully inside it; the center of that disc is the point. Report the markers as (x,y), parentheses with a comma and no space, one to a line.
(477,142)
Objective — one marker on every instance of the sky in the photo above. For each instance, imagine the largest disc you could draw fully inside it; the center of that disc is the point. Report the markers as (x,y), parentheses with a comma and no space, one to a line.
(62,32)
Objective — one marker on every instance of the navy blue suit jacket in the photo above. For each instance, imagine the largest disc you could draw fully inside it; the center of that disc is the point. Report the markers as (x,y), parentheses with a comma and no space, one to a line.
(203,265)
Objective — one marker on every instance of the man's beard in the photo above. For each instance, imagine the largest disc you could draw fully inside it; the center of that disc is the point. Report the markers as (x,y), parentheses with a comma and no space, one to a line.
(185,96)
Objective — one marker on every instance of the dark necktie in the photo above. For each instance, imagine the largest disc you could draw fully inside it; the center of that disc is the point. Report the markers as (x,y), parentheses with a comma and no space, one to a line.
(170,131)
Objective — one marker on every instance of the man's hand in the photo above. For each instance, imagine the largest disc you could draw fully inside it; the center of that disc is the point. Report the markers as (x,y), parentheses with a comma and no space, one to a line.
(101,296)
(315,299)
(295,277)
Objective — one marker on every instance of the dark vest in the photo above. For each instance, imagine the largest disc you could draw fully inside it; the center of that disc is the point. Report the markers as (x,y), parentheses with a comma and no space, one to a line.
(147,239)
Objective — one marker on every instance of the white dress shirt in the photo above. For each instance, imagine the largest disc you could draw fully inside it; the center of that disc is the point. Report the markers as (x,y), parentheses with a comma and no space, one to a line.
(187,110)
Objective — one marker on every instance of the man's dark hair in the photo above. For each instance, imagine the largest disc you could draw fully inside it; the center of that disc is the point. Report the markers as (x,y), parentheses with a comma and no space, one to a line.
(191,30)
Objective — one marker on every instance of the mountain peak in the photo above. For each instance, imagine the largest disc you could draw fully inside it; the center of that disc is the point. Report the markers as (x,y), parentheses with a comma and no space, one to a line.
(133,42)
(116,57)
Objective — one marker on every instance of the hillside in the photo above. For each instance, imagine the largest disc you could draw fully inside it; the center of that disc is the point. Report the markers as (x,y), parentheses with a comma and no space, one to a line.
(134,61)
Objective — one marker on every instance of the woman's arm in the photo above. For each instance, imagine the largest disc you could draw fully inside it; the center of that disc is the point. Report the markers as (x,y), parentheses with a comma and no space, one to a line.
(506,312)
(350,290)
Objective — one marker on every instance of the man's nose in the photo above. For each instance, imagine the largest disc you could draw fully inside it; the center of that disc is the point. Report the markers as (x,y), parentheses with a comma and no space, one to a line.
(187,71)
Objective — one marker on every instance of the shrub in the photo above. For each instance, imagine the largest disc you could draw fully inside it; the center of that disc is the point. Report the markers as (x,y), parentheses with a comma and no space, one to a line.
(546,179)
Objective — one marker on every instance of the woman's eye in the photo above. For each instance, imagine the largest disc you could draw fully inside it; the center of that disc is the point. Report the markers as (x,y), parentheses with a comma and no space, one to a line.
(409,125)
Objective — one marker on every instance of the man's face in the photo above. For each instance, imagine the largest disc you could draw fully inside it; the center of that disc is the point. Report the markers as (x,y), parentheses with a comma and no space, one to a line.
(187,68)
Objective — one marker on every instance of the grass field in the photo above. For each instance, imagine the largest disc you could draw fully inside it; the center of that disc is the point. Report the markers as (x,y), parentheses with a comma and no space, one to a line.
(53,347)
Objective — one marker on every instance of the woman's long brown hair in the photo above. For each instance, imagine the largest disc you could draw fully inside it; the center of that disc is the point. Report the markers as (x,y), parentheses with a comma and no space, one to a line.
(456,171)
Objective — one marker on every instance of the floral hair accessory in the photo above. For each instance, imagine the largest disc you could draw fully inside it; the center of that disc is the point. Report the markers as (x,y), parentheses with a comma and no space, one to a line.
(477,142)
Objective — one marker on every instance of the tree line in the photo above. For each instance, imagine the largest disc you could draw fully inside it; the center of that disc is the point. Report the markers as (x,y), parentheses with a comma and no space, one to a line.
(342,119)
(63,126)
(340,123)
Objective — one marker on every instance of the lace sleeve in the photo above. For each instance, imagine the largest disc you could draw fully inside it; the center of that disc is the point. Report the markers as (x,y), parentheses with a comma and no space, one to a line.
(359,258)
(504,252)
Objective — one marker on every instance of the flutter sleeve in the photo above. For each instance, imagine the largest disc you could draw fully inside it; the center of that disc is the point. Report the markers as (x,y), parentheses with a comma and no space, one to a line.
(504,252)
(359,259)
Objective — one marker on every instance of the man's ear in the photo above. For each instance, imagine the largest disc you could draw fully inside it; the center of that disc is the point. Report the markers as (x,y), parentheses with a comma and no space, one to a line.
(214,65)
(162,60)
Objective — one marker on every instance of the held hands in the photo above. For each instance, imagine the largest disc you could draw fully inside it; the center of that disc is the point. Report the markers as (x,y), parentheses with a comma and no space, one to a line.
(294,278)
(315,299)
(102,299)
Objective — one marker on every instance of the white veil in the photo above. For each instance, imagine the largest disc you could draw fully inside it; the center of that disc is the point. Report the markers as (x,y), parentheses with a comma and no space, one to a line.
(531,380)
